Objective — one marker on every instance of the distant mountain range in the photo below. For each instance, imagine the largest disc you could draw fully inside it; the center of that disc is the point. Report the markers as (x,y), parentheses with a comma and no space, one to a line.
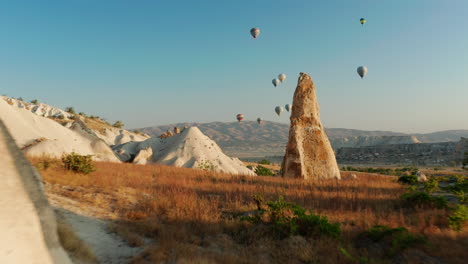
(249,139)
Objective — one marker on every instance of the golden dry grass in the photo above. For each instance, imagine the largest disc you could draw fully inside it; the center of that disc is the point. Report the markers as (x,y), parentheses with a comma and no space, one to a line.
(191,215)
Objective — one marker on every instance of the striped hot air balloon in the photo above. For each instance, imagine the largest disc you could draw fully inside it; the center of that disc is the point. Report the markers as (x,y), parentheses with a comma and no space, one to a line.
(240,117)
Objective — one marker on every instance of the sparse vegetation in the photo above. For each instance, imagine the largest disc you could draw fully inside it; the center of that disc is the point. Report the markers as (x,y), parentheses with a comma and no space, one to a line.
(70,110)
(459,217)
(118,124)
(78,163)
(264,162)
(408,179)
(423,199)
(289,219)
(262,171)
(206,165)
(194,216)
(398,238)
(34,101)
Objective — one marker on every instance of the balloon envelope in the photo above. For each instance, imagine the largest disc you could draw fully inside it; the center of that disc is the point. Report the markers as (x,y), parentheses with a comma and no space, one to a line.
(275,82)
(255,32)
(278,110)
(287,107)
(282,77)
(240,117)
(363,21)
(362,71)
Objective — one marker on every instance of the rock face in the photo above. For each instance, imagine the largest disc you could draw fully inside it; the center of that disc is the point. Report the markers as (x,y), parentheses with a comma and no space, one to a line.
(27,221)
(309,154)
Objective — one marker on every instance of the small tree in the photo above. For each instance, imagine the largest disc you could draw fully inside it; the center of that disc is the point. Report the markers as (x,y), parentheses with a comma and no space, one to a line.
(118,124)
(34,101)
(20,99)
(70,110)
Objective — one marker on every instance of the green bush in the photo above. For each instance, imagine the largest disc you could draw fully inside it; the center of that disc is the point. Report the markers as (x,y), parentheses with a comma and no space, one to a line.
(70,110)
(423,199)
(34,101)
(287,219)
(78,163)
(458,217)
(118,124)
(262,171)
(399,237)
(264,162)
(431,185)
(408,179)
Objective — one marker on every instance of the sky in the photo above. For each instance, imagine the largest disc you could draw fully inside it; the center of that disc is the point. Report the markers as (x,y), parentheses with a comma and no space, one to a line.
(158,62)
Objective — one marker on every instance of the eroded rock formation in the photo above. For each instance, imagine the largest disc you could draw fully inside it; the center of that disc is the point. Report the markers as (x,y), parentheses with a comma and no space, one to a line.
(309,154)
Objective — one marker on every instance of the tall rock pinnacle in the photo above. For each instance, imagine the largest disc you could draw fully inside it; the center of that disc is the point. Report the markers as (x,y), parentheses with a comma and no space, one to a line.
(309,154)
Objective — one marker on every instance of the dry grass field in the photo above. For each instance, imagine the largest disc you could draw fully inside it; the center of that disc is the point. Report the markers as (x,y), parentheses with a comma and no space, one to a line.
(194,216)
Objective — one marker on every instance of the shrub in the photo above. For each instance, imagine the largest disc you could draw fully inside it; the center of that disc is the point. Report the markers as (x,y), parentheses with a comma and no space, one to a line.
(264,162)
(399,237)
(78,163)
(408,179)
(137,131)
(424,199)
(70,110)
(34,101)
(20,99)
(118,124)
(206,165)
(431,185)
(262,171)
(458,217)
(288,219)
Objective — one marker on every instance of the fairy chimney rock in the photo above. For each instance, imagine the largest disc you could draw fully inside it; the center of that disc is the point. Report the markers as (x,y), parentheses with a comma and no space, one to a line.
(309,154)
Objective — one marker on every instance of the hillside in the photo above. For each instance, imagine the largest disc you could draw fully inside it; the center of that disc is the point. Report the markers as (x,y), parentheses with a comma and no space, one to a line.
(248,139)
(189,149)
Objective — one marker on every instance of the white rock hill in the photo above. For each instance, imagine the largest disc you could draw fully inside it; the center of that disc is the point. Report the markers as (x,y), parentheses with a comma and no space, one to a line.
(37,135)
(189,149)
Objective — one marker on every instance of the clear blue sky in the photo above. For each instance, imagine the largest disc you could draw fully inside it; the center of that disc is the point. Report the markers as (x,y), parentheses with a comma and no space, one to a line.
(157,62)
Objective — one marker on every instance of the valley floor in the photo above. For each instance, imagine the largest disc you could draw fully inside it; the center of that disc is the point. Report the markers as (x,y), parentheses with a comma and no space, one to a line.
(156,214)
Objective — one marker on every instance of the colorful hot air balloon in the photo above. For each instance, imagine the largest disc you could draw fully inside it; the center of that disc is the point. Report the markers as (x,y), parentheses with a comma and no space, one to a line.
(287,107)
(275,82)
(259,120)
(362,71)
(282,77)
(255,32)
(278,110)
(363,21)
(240,117)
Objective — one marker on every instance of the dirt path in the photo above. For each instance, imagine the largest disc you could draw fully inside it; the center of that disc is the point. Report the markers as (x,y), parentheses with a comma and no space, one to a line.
(108,247)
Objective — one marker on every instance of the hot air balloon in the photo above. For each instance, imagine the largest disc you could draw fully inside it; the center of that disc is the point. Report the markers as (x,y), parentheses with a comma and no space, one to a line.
(278,110)
(259,120)
(255,32)
(275,82)
(282,77)
(362,71)
(287,107)
(240,117)
(363,21)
